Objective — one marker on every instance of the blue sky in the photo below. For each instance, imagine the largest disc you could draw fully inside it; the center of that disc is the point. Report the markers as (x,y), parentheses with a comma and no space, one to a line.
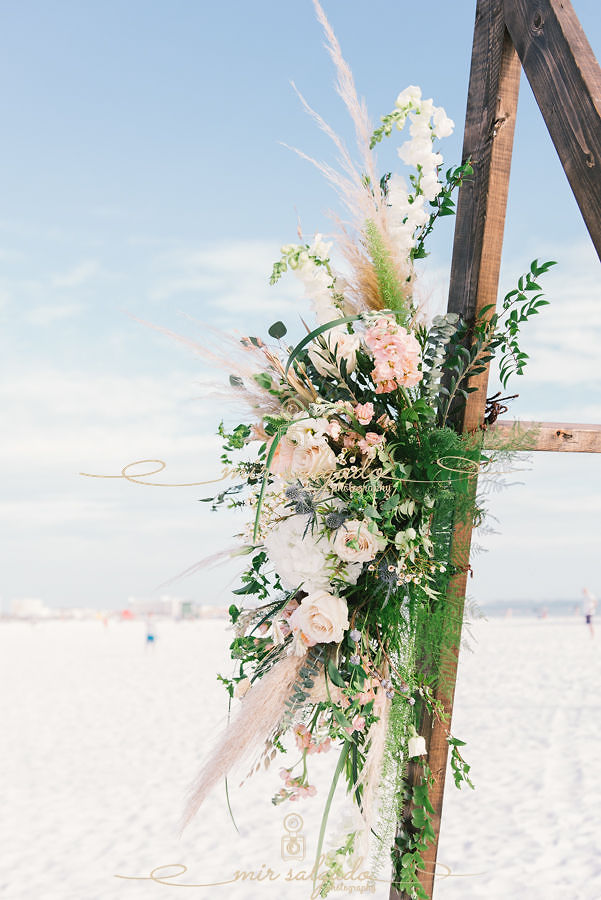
(142,174)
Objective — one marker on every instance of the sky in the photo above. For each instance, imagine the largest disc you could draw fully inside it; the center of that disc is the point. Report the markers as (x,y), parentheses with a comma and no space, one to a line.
(143,177)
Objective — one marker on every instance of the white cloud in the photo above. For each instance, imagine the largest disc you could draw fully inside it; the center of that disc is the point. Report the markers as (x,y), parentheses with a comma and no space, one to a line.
(73,420)
(101,538)
(9,255)
(108,212)
(564,339)
(45,315)
(233,275)
(77,275)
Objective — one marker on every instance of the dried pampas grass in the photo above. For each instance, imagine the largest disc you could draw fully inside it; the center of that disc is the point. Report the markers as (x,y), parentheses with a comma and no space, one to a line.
(359,190)
(258,718)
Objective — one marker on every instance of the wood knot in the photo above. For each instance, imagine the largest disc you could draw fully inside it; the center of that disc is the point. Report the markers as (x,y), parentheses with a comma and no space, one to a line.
(537,22)
(589,159)
(497,125)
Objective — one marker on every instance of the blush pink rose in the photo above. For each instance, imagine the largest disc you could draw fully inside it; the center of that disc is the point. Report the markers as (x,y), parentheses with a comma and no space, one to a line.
(364,413)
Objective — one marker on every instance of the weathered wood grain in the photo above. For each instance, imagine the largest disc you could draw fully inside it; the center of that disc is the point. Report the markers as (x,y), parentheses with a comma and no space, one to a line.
(488,141)
(566,80)
(562,437)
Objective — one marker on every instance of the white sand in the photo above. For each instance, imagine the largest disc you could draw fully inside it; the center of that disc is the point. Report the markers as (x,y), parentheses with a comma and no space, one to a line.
(100,736)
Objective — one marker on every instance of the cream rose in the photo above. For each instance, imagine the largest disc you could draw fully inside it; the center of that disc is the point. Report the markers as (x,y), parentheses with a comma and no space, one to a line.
(291,459)
(354,542)
(313,461)
(320,619)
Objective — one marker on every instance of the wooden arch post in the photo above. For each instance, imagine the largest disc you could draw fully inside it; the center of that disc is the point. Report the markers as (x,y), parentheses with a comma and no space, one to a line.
(544,37)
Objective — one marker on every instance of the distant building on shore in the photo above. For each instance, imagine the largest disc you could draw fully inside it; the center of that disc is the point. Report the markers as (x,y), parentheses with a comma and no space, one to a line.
(165,605)
(29,608)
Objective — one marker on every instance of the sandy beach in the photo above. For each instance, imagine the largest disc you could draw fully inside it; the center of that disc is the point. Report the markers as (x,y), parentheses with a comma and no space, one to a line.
(101,735)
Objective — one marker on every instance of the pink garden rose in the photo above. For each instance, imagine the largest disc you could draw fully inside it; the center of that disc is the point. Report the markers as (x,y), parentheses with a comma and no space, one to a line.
(354,542)
(364,413)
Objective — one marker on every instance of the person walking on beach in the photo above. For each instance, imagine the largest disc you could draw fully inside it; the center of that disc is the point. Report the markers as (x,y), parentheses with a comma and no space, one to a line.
(590,606)
(150,631)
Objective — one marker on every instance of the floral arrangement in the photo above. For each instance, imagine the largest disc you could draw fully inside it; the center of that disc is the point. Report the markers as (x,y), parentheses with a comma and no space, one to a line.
(354,474)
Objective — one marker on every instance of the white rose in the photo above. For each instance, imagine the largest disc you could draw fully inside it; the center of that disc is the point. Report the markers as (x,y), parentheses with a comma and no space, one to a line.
(354,542)
(283,457)
(341,345)
(321,618)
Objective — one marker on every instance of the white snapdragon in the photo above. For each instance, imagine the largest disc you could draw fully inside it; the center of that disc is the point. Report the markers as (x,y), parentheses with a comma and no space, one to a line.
(430,186)
(409,97)
(321,248)
(417,215)
(317,282)
(407,213)
(442,125)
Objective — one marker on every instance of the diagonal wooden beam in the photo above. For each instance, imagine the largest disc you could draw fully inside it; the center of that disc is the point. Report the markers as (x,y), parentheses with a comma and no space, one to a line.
(488,142)
(566,80)
(563,437)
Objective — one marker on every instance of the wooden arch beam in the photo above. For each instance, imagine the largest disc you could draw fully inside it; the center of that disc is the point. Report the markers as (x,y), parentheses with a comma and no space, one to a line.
(566,80)
(488,142)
